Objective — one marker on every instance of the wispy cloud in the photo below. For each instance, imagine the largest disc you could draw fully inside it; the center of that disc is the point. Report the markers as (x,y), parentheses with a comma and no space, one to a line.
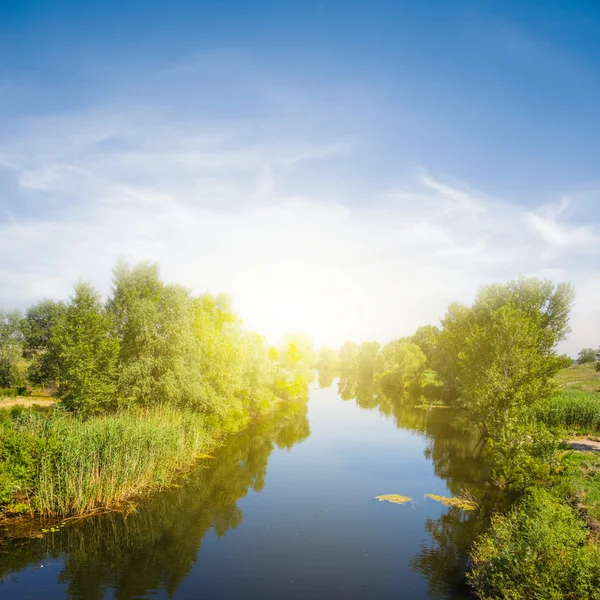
(238,208)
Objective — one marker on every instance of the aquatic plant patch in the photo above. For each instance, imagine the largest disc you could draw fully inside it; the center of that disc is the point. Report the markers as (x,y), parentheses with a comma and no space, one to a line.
(393,498)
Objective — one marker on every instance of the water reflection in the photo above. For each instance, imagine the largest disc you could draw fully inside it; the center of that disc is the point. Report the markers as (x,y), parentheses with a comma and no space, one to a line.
(455,454)
(155,548)
(151,552)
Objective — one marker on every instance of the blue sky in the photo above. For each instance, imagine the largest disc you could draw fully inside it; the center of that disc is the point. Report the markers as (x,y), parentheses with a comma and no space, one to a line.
(347,168)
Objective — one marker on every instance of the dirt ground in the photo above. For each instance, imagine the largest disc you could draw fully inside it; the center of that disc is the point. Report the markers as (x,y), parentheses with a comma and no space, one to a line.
(29,401)
(585,445)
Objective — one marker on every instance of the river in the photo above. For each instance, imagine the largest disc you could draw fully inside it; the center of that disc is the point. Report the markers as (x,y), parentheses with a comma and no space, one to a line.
(285,509)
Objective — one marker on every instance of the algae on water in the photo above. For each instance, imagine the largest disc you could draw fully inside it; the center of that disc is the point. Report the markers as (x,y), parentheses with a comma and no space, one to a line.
(393,498)
(462,503)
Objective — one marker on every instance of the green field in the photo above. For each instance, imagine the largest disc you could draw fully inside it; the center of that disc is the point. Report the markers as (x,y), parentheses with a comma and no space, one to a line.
(580,377)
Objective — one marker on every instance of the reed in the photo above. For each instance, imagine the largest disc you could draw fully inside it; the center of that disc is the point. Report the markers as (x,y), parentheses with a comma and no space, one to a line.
(77,466)
(572,408)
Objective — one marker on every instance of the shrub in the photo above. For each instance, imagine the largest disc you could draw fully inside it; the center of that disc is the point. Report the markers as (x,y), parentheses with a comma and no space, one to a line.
(539,550)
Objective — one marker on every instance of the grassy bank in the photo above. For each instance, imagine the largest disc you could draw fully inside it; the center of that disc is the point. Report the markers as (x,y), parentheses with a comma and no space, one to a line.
(579,377)
(58,464)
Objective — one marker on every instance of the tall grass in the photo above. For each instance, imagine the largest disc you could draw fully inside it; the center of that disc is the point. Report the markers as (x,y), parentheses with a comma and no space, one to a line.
(572,408)
(80,465)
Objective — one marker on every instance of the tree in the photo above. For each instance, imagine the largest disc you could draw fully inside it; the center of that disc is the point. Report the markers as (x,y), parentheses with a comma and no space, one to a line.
(154,323)
(37,325)
(586,355)
(405,364)
(293,366)
(426,337)
(87,351)
(369,359)
(499,355)
(37,329)
(11,344)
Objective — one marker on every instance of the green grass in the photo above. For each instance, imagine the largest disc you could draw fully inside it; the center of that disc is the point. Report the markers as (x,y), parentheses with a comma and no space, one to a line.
(576,410)
(580,482)
(57,464)
(580,377)
(540,550)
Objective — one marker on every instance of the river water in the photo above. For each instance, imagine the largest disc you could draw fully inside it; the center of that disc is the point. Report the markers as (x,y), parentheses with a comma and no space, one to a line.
(285,509)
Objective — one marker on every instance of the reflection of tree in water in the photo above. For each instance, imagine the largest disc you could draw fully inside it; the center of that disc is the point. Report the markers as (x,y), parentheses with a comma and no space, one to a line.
(457,460)
(155,547)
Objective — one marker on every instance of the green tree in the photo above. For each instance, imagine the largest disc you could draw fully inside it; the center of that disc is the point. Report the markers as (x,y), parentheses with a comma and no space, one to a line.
(11,345)
(426,337)
(37,329)
(155,326)
(586,355)
(405,365)
(83,340)
(498,357)
(369,359)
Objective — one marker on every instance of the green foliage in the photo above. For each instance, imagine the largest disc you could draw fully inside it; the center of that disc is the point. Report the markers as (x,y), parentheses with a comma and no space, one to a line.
(498,356)
(571,408)
(11,344)
(539,551)
(293,367)
(37,325)
(523,453)
(62,464)
(154,325)
(87,353)
(17,462)
(37,328)
(405,364)
(586,355)
(564,361)
(427,338)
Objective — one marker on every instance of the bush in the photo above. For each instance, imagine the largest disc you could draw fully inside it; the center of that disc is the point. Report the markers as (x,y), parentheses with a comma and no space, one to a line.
(17,462)
(540,550)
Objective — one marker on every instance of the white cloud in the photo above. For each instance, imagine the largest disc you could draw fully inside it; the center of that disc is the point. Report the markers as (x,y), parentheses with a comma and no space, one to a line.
(226,208)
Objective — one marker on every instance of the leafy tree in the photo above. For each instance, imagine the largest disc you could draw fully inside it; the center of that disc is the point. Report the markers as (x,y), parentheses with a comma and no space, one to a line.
(155,326)
(564,361)
(405,364)
(37,325)
(11,344)
(369,359)
(293,370)
(87,351)
(586,355)
(37,329)
(236,372)
(426,337)
(498,356)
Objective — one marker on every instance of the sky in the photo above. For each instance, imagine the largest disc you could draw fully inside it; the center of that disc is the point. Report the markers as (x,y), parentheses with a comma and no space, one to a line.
(341,168)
